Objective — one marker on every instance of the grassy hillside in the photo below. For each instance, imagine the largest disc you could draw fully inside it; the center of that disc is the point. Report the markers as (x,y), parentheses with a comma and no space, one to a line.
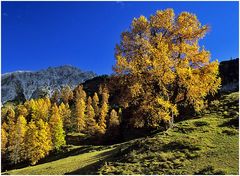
(207,144)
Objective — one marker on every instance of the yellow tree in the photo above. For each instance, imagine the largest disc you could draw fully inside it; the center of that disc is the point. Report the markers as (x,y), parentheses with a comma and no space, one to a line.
(22,110)
(102,118)
(37,141)
(114,119)
(91,125)
(56,128)
(80,93)
(4,140)
(66,94)
(95,103)
(160,66)
(65,113)
(80,108)
(16,141)
(55,96)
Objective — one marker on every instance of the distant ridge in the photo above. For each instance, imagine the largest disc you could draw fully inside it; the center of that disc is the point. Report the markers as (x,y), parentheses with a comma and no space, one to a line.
(23,85)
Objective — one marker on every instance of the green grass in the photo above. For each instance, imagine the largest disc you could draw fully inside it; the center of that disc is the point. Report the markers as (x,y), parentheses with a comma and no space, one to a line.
(66,165)
(205,146)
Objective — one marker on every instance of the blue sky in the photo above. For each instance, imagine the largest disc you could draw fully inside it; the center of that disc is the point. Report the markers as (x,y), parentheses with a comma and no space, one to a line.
(36,35)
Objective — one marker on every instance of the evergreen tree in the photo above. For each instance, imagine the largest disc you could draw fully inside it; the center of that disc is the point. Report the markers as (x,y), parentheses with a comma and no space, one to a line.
(16,143)
(56,128)
(91,124)
(37,141)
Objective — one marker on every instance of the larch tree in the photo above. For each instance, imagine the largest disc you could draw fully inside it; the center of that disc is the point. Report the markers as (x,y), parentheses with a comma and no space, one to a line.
(66,94)
(65,113)
(55,96)
(160,67)
(16,142)
(4,140)
(114,119)
(102,118)
(37,141)
(95,103)
(80,108)
(56,128)
(91,125)
(102,122)
(80,93)
(21,110)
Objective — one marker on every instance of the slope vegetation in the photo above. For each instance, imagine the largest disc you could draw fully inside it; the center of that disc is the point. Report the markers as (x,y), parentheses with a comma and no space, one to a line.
(206,144)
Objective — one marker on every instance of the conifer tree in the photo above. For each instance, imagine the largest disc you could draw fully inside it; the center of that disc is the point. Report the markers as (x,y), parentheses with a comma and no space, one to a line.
(103,111)
(95,103)
(102,118)
(37,141)
(105,95)
(4,140)
(10,116)
(66,94)
(80,93)
(22,110)
(55,96)
(91,124)
(80,107)
(114,119)
(56,128)
(16,142)
(65,113)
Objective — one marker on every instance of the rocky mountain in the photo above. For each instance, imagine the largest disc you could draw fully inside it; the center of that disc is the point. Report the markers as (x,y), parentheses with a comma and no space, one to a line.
(23,85)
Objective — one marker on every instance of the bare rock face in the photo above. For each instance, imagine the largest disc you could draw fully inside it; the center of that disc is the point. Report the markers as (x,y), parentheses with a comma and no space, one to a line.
(23,85)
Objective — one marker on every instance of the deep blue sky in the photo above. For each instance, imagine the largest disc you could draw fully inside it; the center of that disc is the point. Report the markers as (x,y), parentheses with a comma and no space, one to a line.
(36,35)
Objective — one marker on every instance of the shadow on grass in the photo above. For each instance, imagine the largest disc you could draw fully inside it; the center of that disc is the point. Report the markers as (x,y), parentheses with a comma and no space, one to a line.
(92,169)
(231,123)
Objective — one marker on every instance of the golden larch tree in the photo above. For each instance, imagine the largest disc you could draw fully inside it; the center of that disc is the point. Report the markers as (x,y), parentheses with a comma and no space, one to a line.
(66,94)
(16,141)
(80,108)
(37,141)
(160,66)
(95,103)
(56,128)
(114,119)
(91,125)
(65,113)
(4,140)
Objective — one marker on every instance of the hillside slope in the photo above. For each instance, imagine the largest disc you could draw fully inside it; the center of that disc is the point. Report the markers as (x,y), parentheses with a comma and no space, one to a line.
(207,144)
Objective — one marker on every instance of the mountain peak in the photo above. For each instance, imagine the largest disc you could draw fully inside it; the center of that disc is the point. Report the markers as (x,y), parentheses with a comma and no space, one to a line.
(28,83)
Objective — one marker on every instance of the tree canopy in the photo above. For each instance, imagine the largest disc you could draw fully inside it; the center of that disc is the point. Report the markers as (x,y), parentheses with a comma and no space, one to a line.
(161,67)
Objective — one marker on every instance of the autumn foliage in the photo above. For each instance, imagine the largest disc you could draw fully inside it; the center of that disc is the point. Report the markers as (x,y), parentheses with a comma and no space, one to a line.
(161,67)
(32,129)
